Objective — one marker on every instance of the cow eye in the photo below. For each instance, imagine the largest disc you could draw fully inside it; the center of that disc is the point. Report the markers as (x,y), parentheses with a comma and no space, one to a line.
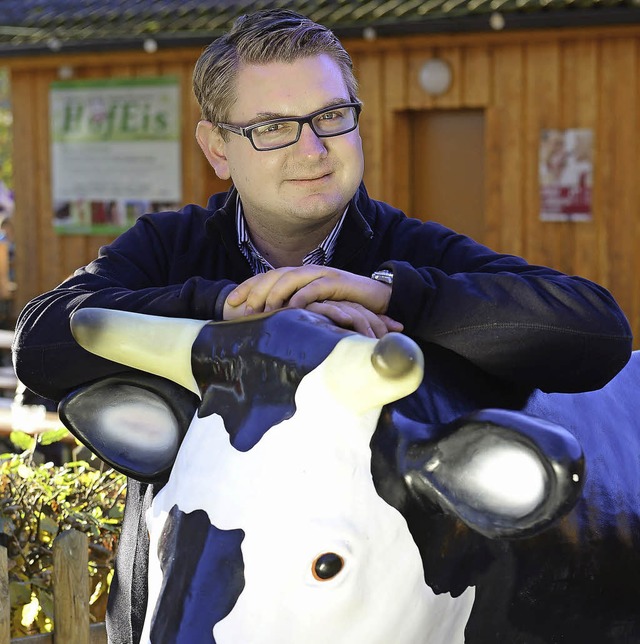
(327,566)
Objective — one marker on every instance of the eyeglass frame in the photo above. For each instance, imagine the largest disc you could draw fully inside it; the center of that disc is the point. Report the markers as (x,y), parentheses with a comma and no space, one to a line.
(300,120)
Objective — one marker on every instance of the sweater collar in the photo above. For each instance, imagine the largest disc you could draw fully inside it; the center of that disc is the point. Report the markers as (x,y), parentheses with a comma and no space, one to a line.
(355,232)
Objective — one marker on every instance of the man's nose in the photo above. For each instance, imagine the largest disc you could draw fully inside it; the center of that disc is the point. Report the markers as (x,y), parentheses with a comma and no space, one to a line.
(309,142)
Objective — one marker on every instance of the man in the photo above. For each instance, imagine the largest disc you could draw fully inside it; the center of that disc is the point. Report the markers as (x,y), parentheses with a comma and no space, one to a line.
(280,118)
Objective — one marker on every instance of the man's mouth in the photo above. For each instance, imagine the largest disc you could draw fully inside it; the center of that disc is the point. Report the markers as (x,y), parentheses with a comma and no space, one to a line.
(314,178)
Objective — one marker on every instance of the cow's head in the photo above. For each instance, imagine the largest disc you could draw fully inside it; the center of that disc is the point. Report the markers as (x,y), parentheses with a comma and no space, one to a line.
(271,526)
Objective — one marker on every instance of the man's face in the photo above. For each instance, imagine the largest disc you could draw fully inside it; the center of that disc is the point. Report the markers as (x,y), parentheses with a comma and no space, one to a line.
(309,182)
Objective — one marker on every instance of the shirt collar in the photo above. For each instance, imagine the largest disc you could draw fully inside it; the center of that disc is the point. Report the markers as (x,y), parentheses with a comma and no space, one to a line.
(321,255)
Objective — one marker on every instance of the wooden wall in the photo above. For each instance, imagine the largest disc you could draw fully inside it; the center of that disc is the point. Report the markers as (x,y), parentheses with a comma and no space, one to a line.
(523,81)
(44,258)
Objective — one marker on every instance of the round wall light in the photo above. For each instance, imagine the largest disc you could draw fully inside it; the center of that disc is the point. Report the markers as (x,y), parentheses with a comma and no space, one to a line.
(435,76)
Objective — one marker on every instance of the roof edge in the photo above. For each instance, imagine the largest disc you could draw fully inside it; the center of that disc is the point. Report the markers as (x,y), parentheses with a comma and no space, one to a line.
(478,22)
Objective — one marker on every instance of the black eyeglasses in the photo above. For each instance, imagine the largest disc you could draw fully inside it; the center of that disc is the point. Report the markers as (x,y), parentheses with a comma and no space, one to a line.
(279,133)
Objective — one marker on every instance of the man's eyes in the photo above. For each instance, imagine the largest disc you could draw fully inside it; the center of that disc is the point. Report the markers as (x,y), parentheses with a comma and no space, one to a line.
(330,116)
(273,128)
(279,126)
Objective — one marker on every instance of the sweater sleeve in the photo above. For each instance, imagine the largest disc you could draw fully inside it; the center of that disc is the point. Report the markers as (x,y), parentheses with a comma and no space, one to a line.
(528,324)
(143,271)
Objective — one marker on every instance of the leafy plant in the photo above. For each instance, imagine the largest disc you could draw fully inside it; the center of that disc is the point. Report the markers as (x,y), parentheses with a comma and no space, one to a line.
(6,120)
(37,502)
(6,134)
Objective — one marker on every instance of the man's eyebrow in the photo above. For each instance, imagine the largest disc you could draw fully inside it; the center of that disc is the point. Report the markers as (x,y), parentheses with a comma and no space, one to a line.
(260,117)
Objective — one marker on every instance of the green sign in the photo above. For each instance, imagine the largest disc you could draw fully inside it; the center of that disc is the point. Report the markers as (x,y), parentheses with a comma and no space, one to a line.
(115,151)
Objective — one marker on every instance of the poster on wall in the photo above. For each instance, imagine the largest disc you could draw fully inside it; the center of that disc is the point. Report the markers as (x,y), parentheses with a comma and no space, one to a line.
(566,174)
(115,152)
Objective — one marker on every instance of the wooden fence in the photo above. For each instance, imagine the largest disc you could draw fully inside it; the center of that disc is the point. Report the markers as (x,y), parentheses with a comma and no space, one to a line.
(70,596)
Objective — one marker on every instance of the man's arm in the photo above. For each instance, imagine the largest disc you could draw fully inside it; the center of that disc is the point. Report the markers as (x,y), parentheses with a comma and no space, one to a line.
(134,274)
(535,327)
(528,324)
(525,323)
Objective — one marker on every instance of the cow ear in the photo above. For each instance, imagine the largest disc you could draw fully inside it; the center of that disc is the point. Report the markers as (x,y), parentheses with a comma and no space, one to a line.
(503,473)
(135,422)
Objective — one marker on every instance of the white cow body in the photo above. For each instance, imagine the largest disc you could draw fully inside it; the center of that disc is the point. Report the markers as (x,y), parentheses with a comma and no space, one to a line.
(306,489)
(436,489)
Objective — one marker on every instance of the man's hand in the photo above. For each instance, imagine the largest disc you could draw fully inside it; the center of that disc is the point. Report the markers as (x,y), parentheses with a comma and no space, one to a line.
(299,286)
(349,300)
(351,315)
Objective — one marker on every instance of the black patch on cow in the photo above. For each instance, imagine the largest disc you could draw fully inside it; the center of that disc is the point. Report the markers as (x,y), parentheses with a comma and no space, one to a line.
(248,371)
(203,576)
(575,583)
(454,557)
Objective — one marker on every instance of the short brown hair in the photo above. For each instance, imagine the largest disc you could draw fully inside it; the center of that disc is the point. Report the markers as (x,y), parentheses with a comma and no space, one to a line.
(272,35)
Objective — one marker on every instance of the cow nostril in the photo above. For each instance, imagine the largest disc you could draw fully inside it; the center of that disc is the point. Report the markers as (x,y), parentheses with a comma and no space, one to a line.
(327,565)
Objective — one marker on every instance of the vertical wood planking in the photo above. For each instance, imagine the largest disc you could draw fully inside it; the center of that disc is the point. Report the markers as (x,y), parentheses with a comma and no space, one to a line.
(475,77)
(71,587)
(68,596)
(368,71)
(579,108)
(544,243)
(46,257)
(5,601)
(25,186)
(395,188)
(524,80)
(505,142)
(632,301)
(617,168)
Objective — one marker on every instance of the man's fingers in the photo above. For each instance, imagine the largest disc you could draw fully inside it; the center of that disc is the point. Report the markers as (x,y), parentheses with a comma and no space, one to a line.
(341,286)
(351,315)
(391,324)
(255,291)
(304,284)
(336,314)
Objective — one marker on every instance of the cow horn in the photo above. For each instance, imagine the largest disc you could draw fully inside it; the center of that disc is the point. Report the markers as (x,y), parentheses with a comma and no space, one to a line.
(395,356)
(366,373)
(150,343)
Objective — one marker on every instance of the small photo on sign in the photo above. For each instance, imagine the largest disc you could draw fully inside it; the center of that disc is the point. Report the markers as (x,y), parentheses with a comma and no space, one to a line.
(566,174)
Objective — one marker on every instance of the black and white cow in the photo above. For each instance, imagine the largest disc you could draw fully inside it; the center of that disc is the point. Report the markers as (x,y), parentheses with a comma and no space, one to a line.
(324,487)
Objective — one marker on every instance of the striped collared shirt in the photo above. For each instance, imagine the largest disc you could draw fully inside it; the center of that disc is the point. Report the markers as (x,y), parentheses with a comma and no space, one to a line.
(321,256)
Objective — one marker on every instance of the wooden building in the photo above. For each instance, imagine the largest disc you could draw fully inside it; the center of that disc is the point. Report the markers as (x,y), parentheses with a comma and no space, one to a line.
(468,156)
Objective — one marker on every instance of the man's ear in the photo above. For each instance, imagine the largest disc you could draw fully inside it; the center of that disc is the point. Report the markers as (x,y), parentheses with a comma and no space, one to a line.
(213,145)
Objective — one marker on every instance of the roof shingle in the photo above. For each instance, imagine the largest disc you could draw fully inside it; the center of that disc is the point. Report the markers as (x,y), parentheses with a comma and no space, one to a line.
(34,26)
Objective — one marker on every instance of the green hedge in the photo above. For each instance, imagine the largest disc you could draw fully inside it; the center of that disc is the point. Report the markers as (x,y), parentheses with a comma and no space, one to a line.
(37,502)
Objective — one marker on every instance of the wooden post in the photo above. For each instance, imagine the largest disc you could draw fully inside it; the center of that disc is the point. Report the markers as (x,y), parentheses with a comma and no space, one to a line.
(71,588)
(5,601)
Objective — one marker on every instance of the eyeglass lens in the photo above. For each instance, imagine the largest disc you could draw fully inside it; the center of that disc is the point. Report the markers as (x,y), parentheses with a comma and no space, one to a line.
(331,122)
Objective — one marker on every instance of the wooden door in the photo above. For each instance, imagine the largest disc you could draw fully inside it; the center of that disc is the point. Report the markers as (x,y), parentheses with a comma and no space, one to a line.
(447,182)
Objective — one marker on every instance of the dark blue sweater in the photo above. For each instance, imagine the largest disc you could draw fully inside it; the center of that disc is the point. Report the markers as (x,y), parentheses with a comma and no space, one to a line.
(527,324)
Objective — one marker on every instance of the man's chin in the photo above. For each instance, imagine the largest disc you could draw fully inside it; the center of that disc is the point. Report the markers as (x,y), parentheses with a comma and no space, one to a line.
(318,210)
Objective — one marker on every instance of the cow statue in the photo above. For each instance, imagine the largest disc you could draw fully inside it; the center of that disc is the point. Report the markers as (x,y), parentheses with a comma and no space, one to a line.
(325,487)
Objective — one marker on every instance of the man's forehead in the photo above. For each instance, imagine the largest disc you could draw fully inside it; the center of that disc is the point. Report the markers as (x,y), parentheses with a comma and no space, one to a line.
(294,88)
